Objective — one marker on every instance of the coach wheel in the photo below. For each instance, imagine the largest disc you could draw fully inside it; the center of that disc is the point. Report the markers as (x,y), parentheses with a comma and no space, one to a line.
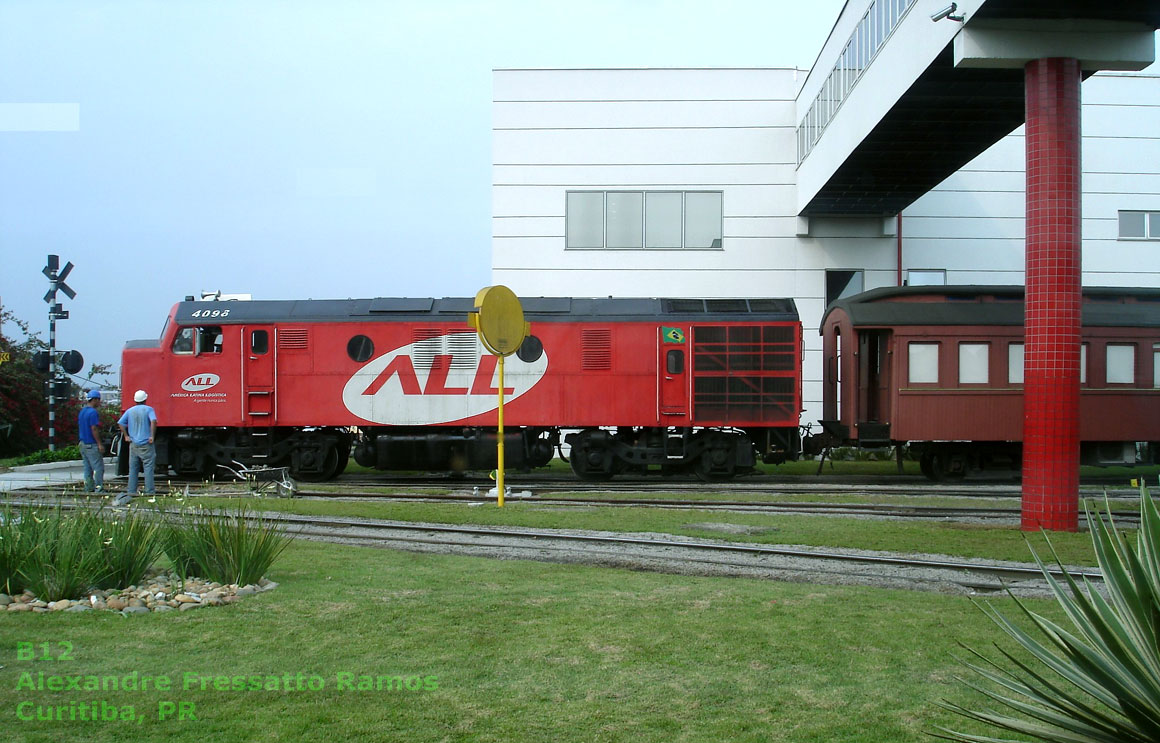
(591,460)
(718,462)
(926,464)
(943,467)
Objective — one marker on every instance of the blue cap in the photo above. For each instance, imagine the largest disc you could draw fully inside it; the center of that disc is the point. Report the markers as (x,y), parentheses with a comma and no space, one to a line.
(94,394)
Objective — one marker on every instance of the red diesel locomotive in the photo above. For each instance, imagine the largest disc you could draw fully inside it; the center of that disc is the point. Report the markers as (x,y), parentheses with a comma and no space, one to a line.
(404,384)
(940,369)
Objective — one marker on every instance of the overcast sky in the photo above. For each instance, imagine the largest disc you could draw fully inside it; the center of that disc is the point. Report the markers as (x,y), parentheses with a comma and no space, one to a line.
(294,149)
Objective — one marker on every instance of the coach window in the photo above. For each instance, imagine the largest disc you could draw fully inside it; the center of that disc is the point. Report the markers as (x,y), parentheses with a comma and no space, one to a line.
(922,362)
(259,342)
(183,343)
(973,366)
(1014,363)
(1083,356)
(1121,367)
(1156,364)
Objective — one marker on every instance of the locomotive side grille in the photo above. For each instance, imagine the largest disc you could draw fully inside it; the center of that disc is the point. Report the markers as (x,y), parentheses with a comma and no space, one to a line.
(465,349)
(745,373)
(293,339)
(427,343)
(596,349)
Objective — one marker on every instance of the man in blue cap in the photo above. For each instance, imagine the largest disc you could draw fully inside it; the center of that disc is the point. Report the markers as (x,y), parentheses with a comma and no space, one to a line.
(92,450)
(139,428)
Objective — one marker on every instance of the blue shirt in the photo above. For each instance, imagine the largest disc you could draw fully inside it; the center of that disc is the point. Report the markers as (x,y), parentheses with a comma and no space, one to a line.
(136,419)
(85,421)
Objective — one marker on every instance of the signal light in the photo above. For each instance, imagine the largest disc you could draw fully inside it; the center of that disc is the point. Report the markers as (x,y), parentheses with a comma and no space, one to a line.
(72,361)
(41,361)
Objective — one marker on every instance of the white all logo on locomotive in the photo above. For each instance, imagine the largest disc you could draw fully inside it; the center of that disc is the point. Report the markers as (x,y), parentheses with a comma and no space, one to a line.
(437,380)
(199,382)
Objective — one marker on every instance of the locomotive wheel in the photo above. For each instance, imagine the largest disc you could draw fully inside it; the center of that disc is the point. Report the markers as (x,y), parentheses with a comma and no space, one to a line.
(590,461)
(330,468)
(718,461)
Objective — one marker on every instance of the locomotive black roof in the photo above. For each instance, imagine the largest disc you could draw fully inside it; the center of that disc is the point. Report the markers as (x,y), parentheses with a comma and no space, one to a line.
(540,309)
(992,305)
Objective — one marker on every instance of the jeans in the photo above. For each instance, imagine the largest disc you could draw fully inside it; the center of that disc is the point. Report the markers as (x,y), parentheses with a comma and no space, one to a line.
(94,466)
(141,455)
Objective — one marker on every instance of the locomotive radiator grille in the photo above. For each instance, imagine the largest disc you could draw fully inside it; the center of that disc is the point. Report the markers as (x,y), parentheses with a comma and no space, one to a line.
(596,349)
(745,373)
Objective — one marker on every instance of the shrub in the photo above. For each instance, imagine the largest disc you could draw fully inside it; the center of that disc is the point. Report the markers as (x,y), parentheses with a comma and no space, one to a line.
(130,545)
(227,546)
(15,546)
(66,558)
(1102,678)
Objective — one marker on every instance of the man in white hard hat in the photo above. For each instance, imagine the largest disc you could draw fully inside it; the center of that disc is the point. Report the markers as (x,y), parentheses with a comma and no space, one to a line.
(139,428)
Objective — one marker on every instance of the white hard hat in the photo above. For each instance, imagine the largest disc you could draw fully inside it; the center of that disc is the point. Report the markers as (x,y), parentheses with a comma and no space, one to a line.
(140,396)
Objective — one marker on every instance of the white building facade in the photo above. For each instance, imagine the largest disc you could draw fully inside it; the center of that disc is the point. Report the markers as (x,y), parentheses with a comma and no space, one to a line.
(684,182)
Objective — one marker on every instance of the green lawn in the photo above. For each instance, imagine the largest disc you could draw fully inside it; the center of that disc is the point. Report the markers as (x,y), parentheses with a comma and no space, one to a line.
(516,651)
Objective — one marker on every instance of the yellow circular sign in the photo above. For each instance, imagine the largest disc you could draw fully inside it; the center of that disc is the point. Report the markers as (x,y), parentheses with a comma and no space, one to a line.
(499,318)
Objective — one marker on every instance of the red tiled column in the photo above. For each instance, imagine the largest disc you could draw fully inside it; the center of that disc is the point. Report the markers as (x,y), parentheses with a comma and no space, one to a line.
(1052,319)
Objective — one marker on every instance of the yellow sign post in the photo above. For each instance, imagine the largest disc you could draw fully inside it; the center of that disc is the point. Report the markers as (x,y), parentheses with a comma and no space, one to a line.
(499,320)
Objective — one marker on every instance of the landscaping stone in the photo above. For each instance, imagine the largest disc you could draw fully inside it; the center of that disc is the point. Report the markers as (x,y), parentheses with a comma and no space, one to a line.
(157,593)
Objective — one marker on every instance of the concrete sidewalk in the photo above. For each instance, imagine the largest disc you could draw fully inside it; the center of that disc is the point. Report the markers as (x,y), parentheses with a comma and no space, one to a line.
(52,473)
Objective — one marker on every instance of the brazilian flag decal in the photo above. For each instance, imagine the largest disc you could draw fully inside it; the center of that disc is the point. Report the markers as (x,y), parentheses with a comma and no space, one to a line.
(672,335)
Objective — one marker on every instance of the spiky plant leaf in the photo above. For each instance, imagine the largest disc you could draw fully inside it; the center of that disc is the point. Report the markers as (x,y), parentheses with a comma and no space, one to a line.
(1106,667)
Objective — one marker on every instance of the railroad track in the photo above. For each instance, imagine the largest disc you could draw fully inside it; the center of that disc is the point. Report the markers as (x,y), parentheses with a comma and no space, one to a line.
(670,553)
(878,510)
(851,486)
(674,554)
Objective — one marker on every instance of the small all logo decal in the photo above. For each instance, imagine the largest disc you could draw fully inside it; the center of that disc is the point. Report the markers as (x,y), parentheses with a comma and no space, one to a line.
(199,382)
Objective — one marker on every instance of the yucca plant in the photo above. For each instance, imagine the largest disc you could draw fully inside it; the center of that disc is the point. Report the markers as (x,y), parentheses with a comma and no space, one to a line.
(130,544)
(15,547)
(66,558)
(231,546)
(1098,680)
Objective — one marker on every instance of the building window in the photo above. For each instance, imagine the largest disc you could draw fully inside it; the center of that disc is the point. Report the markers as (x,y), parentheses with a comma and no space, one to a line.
(585,219)
(1140,225)
(841,284)
(632,220)
(926,277)
(922,363)
(1121,367)
(973,366)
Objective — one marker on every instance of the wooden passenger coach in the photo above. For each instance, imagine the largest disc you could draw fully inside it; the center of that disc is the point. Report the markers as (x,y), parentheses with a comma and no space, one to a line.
(941,369)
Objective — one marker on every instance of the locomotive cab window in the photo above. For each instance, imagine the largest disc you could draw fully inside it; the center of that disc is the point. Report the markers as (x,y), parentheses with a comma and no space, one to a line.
(675,362)
(183,341)
(259,342)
